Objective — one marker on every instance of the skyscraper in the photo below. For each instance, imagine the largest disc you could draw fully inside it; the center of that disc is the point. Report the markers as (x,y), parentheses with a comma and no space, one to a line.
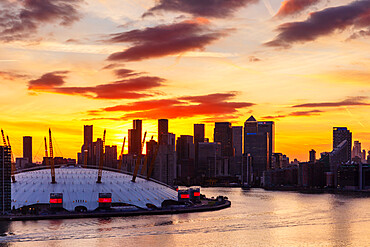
(88,144)
(238,140)
(223,133)
(268,127)
(5,183)
(356,149)
(162,129)
(312,156)
(134,138)
(185,156)
(199,134)
(27,148)
(257,145)
(339,135)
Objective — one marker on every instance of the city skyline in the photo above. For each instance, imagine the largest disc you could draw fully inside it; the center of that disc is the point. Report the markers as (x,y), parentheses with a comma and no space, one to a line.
(96,69)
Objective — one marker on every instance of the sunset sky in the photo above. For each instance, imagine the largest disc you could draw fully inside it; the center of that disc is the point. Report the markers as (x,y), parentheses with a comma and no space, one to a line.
(304,64)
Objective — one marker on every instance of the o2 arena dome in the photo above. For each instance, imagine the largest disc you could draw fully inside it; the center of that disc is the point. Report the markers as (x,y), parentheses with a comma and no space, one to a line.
(76,189)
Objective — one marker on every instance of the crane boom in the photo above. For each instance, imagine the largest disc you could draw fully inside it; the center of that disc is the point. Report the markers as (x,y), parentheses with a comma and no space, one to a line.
(100,171)
(12,167)
(2,133)
(138,160)
(52,168)
(121,157)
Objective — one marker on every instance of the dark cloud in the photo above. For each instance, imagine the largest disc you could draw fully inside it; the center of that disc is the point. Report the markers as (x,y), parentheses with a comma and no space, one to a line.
(254,59)
(48,80)
(165,40)
(354,15)
(351,101)
(292,7)
(132,88)
(211,105)
(122,73)
(296,114)
(7,75)
(205,8)
(21,19)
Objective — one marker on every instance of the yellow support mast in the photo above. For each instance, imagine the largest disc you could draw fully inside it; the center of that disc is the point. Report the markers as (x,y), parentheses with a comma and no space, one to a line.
(100,171)
(52,168)
(137,165)
(121,157)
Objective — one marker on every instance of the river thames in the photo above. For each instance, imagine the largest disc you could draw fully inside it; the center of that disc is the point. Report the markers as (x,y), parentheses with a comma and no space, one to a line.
(255,218)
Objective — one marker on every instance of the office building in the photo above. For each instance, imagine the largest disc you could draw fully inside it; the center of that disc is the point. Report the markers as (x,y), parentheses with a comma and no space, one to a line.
(257,145)
(356,152)
(87,147)
(223,133)
(5,182)
(162,129)
(27,148)
(236,161)
(312,156)
(111,156)
(339,135)
(135,138)
(199,135)
(185,156)
(210,159)
(268,127)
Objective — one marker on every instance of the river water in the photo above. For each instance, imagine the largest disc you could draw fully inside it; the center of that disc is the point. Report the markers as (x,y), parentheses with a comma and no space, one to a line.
(255,218)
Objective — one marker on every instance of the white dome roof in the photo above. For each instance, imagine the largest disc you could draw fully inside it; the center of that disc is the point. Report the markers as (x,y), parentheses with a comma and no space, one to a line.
(79,188)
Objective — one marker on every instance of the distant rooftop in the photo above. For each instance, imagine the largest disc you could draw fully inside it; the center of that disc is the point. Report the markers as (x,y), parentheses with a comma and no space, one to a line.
(251,119)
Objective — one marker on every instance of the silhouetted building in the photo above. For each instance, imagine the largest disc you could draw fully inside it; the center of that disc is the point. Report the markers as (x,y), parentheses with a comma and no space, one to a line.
(111,156)
(210,159)
(199,135)
(276,160)
(134,138)
(257,145)
(88,144)
(5,182)
(185,156)
(236,162)
(339,135)
(268,127)
(165,164)
(356,152)
(223,133)
(98,151)
(162,129)
(312,156)
(27,148)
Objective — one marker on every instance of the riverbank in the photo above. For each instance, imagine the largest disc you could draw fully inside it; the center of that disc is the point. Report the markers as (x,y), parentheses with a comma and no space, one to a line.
(217,205)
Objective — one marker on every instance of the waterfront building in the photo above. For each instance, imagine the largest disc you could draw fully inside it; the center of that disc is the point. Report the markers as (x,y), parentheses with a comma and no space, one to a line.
(312,156)
(356,151)
(185,157)
(88,144)
(199,136)
(339,135)
(257,145)
(135,138)
(27,148)
(236,162)
(211,163)
(223,133)
(162,129)
(269,128)
(5,182)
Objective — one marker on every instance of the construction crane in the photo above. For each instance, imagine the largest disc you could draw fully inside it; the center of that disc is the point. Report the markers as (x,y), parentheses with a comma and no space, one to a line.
(121,157)
(52,168)
(138,160)
(100,171)
(46,152)
(13,163)
(12,167)
(4,141)
(145,161)
(152,162)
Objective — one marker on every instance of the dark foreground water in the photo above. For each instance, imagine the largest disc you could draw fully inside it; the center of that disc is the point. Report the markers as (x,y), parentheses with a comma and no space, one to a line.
(256,218)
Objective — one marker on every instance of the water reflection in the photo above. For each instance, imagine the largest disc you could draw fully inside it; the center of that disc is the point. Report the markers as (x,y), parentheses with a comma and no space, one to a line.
(256,218)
